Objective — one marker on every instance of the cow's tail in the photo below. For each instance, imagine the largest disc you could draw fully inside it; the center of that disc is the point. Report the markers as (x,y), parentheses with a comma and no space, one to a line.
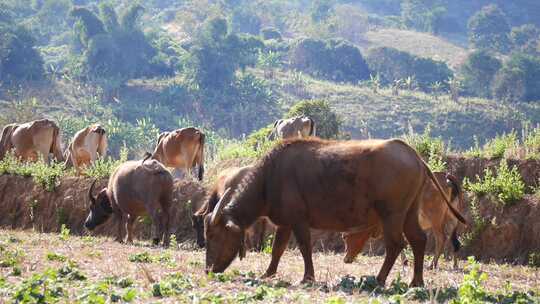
(455,241)
(68,163)
(55,145)
(436,182)
(200,156)
(5,140)
(312,129)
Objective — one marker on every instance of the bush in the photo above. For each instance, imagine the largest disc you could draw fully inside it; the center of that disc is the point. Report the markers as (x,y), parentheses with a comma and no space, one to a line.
(496,147)
(478,73)
(392,65)
(489,29)
(331,59)
(427,146)
(326,120)
(46,175)
(507,186)
(519,79)
(423,15)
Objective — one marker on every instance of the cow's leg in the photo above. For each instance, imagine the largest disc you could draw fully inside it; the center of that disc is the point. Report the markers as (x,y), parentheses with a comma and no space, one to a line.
(165,228)
(260,236)
(129,228)
(394,242)
(119,226)
(354,243)
(417,238)
(278,247)
(303,237)
(440,241)
(157,226)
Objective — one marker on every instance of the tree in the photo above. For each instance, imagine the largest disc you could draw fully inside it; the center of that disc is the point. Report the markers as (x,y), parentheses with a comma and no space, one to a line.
(244,21)
(423,15)
(337,60)
(478,72)
(19,60)
(327,122)
(519,79)
(489,29)
(391,64)
(321,10)
(525,38)
(218,54)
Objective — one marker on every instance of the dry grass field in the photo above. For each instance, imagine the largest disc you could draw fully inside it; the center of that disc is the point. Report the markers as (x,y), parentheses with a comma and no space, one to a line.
(49,268)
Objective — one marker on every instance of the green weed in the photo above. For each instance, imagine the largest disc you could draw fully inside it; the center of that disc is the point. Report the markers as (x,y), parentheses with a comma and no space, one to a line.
(46,175)
(104,167)
(142,257)
(64,232)
(507,185)
(472,289)
(534,259)
(51,256)
(424,143)
(172,285)
(496,147)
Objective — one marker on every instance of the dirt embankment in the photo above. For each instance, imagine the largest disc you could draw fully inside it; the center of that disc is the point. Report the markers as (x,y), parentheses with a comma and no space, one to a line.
(26,205)
(510,234)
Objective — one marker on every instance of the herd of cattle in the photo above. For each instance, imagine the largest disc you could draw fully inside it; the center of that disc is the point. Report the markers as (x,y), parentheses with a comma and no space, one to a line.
(363,189)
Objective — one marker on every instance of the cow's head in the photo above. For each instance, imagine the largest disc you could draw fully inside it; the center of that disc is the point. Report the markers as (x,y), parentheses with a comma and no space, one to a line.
(98,129)
(100,208)
(224,238)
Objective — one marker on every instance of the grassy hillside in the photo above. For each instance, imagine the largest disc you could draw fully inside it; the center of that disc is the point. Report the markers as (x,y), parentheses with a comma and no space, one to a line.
(420,44)
(382,115)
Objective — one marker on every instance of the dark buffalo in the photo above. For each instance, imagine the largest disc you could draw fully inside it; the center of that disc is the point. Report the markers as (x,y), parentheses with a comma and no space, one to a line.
(135,189)
(327,185)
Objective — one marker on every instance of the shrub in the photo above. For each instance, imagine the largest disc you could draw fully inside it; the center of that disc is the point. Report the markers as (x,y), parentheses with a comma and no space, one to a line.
(471,289)
(427,16)
(489,29)
(104,167)
(496,147)
(331,59)
(478,72)
(534,259)
(507,185)
(327,122)
(392,64)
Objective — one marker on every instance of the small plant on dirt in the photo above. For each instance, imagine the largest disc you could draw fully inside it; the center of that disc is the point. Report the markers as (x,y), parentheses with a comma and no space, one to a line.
(507,185)
(40,288)
(46,175)
(534,259)
(172,285)
(51,256)
(374,83)
(10,258)
(267,244)
(141,257)
(475,150)
(479,224)
(64,232)
(435,161)
(471,289)
(70,272)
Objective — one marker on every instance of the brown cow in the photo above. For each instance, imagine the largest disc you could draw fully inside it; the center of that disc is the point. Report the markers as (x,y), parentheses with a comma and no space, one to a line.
(300,126)
(85,147)
(32,140)
(231,177)
(328,185)
(135,189)
(434,215)
(182,149)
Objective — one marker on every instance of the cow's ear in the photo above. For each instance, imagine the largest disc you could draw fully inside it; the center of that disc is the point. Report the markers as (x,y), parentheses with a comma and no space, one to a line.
(233,227)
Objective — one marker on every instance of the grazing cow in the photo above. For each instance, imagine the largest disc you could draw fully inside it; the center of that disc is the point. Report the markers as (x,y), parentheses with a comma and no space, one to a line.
(182,149)
(328,185)
(300,126)
(230,177)
(32,140)
(135,189)
(434,214)
(83,150)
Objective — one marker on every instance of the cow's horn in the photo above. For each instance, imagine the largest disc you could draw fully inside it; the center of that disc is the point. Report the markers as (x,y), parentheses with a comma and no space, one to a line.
(90,196)
(218,209)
